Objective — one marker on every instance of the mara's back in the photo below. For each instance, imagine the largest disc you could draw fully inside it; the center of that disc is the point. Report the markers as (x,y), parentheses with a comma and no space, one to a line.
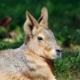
(34,59)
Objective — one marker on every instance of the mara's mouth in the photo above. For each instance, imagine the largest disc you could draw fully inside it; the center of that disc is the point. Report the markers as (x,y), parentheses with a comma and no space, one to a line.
(56,55)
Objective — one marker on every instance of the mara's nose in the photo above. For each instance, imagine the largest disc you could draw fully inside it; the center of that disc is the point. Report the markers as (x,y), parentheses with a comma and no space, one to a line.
(59,51)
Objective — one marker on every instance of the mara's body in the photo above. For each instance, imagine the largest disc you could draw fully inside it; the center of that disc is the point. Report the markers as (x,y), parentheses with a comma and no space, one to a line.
(34,59)
(23,64)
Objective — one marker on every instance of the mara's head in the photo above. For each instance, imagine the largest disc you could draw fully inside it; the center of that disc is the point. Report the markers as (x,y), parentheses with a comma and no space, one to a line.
(40,39)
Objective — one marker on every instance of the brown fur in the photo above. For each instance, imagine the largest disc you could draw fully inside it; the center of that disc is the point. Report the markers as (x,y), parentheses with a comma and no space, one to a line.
(34,59)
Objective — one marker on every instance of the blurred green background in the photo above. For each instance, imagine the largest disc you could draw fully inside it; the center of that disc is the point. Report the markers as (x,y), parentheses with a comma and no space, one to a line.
(64,21)
(64,17)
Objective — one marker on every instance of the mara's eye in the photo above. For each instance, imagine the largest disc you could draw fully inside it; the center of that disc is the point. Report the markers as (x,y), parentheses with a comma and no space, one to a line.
(39,38)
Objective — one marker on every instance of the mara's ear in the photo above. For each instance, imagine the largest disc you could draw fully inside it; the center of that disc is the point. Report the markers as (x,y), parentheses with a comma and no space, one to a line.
(31,25)
(43,20)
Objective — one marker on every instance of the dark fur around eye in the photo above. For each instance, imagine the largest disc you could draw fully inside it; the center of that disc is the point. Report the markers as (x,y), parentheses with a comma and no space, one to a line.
(39,38)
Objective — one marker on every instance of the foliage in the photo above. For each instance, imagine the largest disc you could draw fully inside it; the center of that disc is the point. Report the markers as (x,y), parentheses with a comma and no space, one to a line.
(3,32)
(67,37)
(64,16)
(76,37)
(68,66)
(14,42)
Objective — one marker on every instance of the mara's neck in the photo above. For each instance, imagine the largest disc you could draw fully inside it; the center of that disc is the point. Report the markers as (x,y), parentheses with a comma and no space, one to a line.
(48,61)
(50,64)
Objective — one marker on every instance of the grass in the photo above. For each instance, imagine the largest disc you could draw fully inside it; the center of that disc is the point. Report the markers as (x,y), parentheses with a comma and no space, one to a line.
(68,67)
